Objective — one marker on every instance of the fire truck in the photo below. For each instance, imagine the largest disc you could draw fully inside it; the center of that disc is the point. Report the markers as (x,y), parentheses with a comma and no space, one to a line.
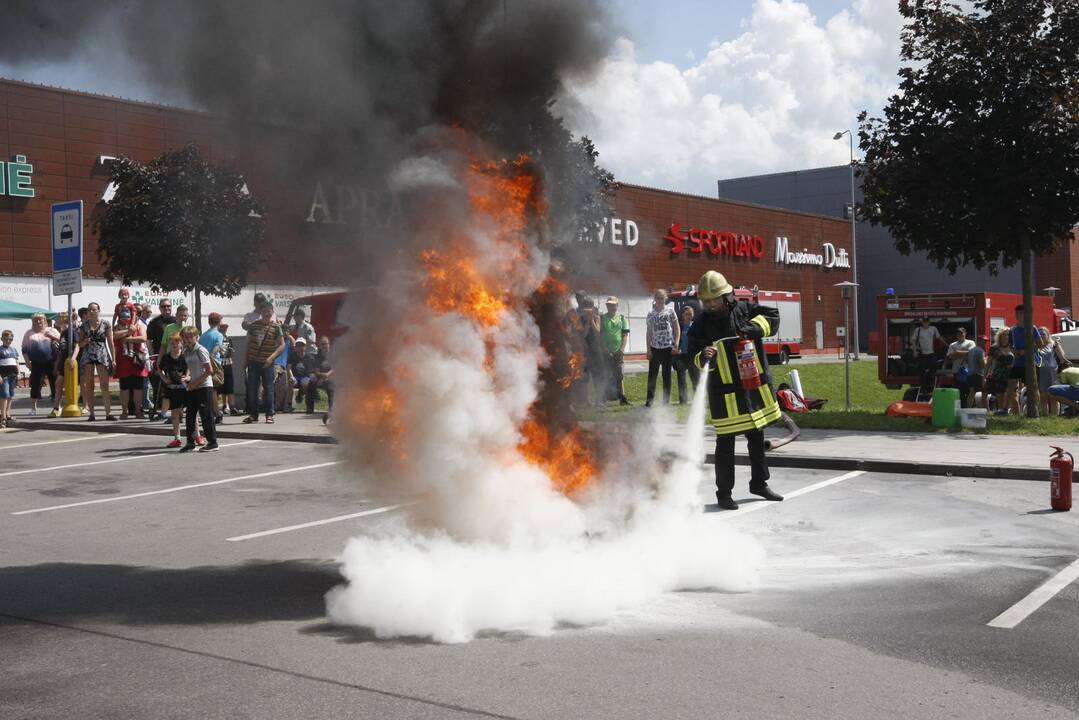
(980,313)
(780,348)
(323,311)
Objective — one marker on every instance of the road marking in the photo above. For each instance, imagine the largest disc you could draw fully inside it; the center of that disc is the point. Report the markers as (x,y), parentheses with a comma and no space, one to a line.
(315,523)
(793,494)
(1021,610)
(93,436)
(110,460)
(175,489)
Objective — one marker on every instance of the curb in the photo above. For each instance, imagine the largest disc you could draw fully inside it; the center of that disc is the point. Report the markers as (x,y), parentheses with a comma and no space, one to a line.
(898,467)
(807,462)
(162,431)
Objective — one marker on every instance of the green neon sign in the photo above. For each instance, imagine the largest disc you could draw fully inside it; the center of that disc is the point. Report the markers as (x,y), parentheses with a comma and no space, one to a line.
(15,178)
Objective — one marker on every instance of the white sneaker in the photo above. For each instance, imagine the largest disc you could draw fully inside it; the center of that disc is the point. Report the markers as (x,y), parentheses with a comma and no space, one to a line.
(33,411)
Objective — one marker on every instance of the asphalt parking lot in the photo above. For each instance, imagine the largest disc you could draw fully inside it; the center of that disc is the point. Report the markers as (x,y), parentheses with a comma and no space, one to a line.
(140,583)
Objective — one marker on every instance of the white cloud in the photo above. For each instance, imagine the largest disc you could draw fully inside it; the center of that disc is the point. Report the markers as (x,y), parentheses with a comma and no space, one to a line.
(767,100)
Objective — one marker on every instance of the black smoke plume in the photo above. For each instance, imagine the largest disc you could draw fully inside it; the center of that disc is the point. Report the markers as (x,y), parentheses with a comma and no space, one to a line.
(350,82)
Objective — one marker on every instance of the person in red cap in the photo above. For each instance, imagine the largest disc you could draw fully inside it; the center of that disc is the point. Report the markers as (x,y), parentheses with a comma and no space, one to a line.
(214,343)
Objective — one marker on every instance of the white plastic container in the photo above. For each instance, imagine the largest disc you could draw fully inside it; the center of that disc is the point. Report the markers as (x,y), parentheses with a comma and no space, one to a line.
(973,418)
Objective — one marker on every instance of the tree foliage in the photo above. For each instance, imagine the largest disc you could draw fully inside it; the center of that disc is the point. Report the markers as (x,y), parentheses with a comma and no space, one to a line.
(976,160)
(180,223)
(980,147)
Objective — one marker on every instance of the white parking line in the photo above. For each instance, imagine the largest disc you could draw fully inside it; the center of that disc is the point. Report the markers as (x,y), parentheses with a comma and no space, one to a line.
(110,460)
(793,494)
(1021,610)
(92,436)
(315,523)
(174,489)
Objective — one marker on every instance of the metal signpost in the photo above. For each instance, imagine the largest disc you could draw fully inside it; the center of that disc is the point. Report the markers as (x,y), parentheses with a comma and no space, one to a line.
(846,287)
(67,280)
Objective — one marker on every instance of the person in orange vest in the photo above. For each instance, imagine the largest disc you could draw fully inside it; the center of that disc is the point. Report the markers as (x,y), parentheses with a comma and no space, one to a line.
(736,409)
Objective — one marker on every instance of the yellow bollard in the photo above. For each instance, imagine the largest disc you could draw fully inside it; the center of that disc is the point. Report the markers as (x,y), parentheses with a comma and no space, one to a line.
(71,390)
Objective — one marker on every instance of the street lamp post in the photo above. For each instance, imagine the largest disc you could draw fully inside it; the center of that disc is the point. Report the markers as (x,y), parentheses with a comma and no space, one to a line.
(847,287)
(853,238)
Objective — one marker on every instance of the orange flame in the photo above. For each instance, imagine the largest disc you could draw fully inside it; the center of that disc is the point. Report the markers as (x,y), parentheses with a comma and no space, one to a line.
(453,285)
(576,371)
(566,459)
(379,413)
(505,197)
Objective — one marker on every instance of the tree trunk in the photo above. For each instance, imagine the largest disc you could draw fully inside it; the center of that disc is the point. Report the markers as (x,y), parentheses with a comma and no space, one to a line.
(1031,372)
(198,309)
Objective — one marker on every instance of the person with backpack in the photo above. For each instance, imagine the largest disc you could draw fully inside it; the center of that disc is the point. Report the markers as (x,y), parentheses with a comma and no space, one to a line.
(214,343)
(129,351)
(924,342)
(614,331)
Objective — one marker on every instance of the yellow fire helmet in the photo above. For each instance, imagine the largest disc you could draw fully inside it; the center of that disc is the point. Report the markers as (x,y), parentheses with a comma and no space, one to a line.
(713,285)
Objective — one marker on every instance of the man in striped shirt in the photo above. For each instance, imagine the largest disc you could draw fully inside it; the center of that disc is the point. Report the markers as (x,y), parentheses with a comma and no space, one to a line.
(265,342)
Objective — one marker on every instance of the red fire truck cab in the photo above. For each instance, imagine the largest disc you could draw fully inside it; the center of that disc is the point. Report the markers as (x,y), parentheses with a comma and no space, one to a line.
(780,348)
(323,311)
(980,313)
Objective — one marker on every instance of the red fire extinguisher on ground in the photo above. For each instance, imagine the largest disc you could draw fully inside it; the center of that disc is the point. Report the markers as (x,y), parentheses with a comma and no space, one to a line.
(1060,479)
(747,365)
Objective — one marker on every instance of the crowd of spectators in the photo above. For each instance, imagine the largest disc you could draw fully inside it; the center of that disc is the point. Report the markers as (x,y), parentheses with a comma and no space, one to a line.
(166,369)
(995,379)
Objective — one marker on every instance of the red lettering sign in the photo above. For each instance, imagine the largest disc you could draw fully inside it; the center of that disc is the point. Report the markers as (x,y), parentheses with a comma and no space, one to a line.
(697,240)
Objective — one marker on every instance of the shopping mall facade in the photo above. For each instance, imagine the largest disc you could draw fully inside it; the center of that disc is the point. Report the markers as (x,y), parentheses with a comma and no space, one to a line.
(56,146)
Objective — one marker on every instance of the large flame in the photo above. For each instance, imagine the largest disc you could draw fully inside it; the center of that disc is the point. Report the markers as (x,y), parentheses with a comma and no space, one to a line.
(506,199)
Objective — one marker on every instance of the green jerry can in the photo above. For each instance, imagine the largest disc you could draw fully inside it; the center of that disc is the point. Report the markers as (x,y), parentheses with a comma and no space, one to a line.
(945,407)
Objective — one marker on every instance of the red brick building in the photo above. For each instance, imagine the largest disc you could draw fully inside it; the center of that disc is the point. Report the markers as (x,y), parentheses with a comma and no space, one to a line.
(67,137)
(658,238)
(655,238)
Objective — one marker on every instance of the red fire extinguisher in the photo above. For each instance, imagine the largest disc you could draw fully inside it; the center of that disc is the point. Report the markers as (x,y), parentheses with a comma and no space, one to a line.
(1060,479)
(747,365)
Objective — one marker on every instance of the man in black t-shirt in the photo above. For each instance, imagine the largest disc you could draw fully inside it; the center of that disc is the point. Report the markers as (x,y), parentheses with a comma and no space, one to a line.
(154,330)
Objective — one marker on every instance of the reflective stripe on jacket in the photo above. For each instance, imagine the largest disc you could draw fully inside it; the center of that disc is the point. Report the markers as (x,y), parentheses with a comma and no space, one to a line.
(735,410)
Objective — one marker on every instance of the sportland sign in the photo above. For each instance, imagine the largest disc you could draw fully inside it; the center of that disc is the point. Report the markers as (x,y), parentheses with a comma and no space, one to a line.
(717,242)
(829,257)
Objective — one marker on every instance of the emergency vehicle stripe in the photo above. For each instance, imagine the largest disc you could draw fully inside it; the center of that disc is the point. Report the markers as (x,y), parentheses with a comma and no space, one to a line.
(764,325)
(724,364)
(752,421)
(732,404)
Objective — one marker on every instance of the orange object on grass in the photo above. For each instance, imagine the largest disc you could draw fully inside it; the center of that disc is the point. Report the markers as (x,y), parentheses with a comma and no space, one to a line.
(906,408)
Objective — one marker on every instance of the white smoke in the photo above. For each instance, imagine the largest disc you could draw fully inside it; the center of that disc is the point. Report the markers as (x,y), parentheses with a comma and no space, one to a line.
(536,560)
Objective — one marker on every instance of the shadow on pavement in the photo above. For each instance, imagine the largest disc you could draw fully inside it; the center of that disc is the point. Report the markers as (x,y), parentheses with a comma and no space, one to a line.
(132,595)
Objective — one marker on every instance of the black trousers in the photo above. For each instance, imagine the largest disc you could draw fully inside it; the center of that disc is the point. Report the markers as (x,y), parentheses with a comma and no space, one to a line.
(311,392)
(199,402)
(725,462)
(683,365)
(927,367)
(661,358)
(39,373)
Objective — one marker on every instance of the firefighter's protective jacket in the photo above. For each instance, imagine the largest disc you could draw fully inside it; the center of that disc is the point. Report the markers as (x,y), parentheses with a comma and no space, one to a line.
(734,409)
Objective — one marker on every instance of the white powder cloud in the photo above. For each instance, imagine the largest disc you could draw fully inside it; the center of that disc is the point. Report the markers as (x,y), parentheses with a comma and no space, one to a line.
(768,100)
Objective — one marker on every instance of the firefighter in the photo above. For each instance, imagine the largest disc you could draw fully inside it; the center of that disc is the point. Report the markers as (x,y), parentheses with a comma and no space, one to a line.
(735,410)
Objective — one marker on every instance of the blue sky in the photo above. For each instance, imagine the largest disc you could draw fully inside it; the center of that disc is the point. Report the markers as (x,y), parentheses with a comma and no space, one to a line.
(670,29)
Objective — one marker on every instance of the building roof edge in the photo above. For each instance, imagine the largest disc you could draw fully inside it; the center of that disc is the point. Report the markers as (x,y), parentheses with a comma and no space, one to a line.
(742,203)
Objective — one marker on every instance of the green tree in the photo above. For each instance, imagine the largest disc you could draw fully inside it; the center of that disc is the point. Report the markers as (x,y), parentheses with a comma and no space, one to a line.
(976,160)
(180,223)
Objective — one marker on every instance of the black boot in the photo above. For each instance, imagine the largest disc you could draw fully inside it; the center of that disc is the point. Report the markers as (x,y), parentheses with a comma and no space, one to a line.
(765,492)
(726,502)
